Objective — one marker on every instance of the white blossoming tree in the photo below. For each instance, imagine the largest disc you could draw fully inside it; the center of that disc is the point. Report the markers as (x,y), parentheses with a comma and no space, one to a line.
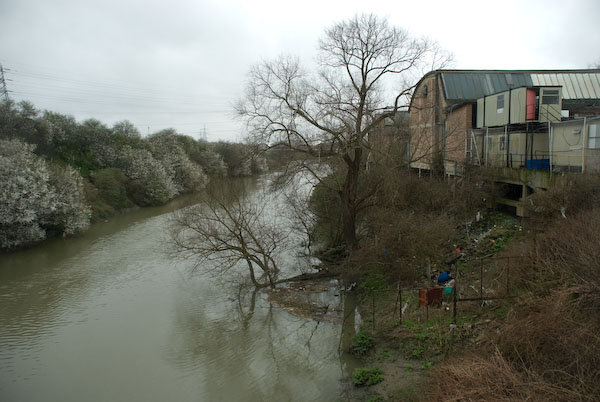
(36,199)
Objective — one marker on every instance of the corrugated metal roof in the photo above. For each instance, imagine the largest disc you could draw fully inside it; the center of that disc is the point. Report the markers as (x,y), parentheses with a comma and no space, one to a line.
(465,85)
(576,85)
(474,85)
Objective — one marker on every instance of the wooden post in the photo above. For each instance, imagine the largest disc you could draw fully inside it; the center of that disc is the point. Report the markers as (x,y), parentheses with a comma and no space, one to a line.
(481,281)
(398,300)
(400,297)
(373,313)
(508,276)
(455,291)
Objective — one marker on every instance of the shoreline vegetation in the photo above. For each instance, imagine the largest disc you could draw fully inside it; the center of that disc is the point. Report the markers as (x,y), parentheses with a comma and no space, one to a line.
(527,317)
(59,175)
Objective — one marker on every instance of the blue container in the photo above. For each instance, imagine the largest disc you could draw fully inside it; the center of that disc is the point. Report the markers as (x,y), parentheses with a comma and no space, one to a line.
(538,164)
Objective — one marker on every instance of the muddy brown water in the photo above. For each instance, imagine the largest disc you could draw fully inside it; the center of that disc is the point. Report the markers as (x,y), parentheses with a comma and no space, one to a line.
(108,316)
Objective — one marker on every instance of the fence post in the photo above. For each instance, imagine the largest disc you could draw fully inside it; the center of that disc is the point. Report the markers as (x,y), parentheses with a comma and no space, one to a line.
(455,292)
(373,312)
(481,281)
(508,276)
(400,298)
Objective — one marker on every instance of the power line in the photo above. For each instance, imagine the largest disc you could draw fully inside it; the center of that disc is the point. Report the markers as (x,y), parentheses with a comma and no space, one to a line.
(73,93)
(3,87)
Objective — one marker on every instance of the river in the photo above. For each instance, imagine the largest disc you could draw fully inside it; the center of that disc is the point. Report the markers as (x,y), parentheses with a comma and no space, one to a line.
(108,316)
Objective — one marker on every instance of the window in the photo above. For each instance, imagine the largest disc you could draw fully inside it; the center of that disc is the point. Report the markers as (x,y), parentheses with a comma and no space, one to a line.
(550,97)
(500,104)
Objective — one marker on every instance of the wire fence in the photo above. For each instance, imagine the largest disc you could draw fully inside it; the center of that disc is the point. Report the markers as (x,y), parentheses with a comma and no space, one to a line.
(478,284)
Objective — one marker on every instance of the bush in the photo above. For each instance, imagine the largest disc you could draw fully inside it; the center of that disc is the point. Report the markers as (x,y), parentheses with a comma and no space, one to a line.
(362,343)
(364,376)
(568,250)
(557,338)
(570,195)
(111,184)
(548,347)
(35,199)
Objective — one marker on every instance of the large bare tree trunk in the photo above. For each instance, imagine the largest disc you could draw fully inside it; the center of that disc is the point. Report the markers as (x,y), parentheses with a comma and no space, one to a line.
(349,196)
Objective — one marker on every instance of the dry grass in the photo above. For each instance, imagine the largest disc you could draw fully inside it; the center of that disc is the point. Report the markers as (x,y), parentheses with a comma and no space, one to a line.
(574,193)
(493,379)
(548,348)
(569,250)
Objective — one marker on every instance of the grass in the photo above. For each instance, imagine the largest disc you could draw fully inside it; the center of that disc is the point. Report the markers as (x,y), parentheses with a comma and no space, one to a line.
(367,376)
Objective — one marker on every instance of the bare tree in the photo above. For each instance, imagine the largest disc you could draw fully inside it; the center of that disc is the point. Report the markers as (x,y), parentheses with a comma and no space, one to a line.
(329,114)
(225,229)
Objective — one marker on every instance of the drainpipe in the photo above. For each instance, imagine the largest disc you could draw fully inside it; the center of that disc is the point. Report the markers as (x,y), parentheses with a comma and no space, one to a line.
(487,131)
(584,144)
(483,122)
(506,133)
(506,144)
(550,148)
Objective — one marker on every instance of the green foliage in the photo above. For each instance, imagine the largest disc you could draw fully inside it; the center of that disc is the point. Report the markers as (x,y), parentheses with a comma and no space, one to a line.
(500,242)
(408,367)
(409,323)
(83,161)
(376,398)
(362,343)
(417,351)
(325,204)
(383,355)
(365,376)
(109,194)
(111,183)
(374,282)
(427,364)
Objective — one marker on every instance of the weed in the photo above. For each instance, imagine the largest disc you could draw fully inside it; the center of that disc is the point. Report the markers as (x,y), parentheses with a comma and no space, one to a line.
(409,324)
(363,342)
(383,355)
(427,364)
(501,241)
(376,398)
(365,376)
(417,352)
(408,367)
(423,335)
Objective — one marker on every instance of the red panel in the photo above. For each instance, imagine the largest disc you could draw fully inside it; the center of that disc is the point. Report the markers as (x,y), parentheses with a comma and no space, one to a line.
(531,95)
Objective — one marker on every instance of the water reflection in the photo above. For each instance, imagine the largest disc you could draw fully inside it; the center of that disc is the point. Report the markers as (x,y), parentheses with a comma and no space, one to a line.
(249,349)
(108,316)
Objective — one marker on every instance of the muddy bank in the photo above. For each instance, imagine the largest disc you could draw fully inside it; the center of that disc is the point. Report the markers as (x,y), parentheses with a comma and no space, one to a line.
(319,299)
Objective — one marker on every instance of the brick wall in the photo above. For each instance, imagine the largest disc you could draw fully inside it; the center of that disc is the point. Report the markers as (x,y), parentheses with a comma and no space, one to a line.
(458,125)
(424,133)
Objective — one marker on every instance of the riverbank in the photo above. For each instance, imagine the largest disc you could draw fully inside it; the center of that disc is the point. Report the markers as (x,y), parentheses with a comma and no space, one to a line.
(409,339)
(526,320)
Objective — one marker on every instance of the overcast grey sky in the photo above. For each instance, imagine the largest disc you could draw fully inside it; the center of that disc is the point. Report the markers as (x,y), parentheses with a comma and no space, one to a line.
(183,63)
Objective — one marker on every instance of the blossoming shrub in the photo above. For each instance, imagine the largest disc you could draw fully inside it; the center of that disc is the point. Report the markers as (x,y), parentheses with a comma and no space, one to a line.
(36,199)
